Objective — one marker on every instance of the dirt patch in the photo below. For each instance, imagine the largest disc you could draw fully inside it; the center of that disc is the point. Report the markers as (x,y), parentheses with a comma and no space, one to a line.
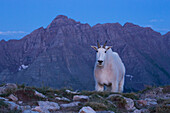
(27,96)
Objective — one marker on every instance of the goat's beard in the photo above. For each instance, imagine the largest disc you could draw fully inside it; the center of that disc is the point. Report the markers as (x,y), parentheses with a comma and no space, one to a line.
(100,64)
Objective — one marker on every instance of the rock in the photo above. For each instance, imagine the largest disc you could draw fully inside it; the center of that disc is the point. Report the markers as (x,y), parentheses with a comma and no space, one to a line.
(80,98)
(86,110)
(144,110)
(2,90)
(12,105)
(63,99)
(2,98)
(13,98)
(72,92)
(45,106)
(129,104)
(30,111)
(23,108)
(151,102)
(39,109)
(105,112)
(141,103)
(137,111)
(20,102)
(10,86)
(7,87)
(39,94)
(113,95)
(73,104)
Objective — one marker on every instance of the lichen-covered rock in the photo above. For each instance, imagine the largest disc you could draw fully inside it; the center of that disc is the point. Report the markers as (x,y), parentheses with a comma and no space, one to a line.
(80,98)
(86,110)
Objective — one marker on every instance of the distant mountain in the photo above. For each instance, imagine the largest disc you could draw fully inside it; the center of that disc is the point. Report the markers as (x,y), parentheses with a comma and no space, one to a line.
(60,55)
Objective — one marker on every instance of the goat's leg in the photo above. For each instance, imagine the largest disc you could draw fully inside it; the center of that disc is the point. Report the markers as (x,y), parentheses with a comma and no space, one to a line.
(108,88)
(99,87)
(114,87)
(121,85)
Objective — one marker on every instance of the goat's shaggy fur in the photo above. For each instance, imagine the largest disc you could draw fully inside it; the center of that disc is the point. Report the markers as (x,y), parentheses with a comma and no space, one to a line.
(111,73)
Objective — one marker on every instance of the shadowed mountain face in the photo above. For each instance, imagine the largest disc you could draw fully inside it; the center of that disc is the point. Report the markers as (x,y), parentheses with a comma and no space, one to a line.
(60,55)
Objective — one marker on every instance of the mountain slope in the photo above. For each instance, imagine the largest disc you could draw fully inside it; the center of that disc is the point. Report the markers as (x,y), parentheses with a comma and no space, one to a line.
(60,55)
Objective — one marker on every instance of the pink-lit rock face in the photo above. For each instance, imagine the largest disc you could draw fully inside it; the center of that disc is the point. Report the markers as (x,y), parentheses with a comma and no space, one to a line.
(60,55)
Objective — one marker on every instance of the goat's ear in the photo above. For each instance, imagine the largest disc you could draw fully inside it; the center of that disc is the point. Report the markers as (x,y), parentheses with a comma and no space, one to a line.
(108,48)
(94,47)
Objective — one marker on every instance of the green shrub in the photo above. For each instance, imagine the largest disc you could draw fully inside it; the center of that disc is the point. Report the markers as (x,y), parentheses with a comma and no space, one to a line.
(96,106)
(163,109)
(166,89)
(131,95)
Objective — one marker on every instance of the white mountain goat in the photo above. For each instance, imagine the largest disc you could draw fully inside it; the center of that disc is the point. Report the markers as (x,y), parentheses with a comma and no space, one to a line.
(109,69)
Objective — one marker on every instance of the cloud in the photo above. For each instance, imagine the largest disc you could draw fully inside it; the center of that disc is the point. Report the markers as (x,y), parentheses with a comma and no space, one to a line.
(12,32)
(162,29)
(148,26)
(156,20)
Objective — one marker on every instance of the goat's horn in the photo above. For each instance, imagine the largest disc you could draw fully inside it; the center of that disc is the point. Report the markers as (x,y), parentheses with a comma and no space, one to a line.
(105,44)
(98,44)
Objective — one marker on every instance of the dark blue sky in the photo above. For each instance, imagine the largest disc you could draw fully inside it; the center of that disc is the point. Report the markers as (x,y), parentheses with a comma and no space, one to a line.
(20,17)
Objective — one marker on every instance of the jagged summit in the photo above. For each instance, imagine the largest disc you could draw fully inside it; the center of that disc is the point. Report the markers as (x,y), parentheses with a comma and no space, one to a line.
(61,20)
(128,24)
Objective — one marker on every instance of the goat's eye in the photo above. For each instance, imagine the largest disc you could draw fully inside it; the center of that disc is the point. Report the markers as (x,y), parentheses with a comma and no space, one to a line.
(105,51)
(96,51)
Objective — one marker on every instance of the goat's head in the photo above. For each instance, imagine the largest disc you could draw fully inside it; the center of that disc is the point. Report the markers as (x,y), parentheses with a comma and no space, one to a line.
(101,53)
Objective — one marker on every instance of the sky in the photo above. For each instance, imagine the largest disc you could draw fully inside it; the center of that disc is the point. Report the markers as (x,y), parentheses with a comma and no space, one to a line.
(20,17)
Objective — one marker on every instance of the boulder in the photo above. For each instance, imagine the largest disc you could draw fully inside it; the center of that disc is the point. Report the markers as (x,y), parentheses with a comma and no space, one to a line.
(7,87)
(72,92)
(12,105)
(46,105)
(27,107)
(137,111)
(80,98)
(73,104)
(30,111)
(129,104)
(63,99)
(86,110)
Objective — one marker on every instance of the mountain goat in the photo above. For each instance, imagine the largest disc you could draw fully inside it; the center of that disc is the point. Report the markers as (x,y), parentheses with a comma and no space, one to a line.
(109,69)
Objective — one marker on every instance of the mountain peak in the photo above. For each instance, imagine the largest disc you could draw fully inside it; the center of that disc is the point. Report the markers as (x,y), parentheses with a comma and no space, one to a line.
(61,17)
(61,20)
(128,24)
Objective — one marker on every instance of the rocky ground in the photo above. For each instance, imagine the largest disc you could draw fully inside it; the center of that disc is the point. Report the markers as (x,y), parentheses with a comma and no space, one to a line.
(21,99)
